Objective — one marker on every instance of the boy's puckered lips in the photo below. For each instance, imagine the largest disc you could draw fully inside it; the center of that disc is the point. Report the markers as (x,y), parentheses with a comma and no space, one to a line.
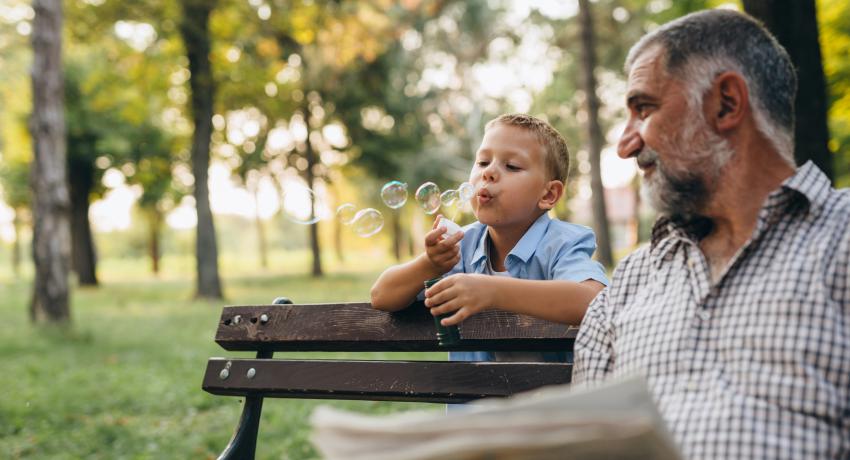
(484,196)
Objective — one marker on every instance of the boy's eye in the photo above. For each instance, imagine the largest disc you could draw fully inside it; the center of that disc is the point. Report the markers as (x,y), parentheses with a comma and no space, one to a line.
(513,167)
(483,163)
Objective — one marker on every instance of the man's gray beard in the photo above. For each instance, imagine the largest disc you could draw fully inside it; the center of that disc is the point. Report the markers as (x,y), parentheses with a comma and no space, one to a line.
(685,193)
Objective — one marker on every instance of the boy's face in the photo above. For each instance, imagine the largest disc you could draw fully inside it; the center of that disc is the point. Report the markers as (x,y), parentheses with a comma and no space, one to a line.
(510,178)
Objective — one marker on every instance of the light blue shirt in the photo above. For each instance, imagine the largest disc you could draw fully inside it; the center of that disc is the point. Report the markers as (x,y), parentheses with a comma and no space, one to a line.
(551,249)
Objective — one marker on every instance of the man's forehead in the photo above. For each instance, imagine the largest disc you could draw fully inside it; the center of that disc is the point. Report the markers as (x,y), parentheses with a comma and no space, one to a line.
(647,72)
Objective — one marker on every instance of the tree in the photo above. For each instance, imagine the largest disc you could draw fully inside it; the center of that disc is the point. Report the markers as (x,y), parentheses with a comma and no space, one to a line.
(194,28)
(15,145)
(14,173)
(84,132)
(794,23)
(151,156)
(588,55)
(835,38)
(51,239)
(317,53)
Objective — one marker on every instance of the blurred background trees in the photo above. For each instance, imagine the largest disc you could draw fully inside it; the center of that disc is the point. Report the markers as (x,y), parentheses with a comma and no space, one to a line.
(179,113)
(200,136)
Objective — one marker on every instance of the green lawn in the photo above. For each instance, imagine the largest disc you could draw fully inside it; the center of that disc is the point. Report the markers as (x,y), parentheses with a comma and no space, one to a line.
(125,381)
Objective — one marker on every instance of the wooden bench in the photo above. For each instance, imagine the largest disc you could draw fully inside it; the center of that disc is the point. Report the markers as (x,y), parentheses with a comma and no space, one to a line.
(282,326)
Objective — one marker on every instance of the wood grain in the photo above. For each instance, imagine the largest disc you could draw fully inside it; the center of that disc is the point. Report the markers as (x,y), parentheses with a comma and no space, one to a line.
(414,381)
(359,327)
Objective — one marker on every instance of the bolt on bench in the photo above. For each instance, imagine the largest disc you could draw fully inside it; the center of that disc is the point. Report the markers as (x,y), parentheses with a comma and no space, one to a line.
(350,327)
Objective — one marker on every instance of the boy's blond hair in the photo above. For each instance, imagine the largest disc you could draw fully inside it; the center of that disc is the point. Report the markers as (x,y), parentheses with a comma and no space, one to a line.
(554,145)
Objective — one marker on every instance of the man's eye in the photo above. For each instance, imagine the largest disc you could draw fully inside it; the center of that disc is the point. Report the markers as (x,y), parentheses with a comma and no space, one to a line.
(643,110)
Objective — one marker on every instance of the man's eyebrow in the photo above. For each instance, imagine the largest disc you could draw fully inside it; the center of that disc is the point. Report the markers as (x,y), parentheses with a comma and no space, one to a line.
(635,96)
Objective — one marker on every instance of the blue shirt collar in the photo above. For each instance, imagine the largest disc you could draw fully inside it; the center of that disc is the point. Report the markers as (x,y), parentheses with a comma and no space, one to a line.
(524,248)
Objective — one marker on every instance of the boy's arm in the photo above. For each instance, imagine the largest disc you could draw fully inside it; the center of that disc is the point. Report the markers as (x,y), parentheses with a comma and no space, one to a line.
(397,286)
(553,300)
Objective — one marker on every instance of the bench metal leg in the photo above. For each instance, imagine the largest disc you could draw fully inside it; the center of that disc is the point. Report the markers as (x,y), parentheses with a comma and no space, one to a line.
(243,444)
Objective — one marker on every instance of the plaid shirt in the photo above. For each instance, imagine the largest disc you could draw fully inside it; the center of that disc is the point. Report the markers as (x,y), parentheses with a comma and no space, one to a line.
(756,366)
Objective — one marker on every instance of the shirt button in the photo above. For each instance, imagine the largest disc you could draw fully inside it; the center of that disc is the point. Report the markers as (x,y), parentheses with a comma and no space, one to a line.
(704,314)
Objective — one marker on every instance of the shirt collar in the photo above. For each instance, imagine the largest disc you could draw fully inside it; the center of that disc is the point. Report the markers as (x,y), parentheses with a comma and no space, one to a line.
(524,248)
(811,183)
(668,231)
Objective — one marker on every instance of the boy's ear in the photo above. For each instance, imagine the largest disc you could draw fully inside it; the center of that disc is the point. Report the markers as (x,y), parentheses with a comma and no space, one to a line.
(553,192)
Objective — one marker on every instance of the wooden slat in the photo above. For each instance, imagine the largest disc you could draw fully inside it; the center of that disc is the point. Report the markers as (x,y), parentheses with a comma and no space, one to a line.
(359,327)
(414,381)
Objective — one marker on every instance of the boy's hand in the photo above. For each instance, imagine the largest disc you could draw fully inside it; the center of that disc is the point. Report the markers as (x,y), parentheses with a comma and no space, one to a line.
(443,253)
(462,293)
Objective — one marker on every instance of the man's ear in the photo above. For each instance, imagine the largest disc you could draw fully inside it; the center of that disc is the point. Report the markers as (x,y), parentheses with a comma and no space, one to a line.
(729,101)
(554,192)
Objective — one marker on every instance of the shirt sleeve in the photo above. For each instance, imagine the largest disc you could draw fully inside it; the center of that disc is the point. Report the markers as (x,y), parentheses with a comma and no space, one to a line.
(574,262)
(594,357)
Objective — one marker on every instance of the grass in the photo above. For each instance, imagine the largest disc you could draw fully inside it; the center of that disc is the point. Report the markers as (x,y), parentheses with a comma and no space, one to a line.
(123,382)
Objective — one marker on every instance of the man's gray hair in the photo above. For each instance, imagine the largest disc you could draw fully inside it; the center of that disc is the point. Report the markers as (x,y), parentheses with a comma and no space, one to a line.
(701,45)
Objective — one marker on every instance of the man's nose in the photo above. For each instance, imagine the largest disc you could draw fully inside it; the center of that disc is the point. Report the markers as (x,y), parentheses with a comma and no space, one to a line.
(630,142)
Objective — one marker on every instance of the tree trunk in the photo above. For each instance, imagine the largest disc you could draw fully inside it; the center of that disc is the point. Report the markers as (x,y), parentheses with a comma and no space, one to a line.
(194,28)
(311,178)
(600,216)
(338,245)
(261,233)
(794,23)
(83,255)
(51,245)
(340,254)
(154,231)
(396,223)
(16,245)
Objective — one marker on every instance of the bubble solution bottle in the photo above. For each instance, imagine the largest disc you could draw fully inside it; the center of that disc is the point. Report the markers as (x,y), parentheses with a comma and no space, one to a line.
(446,335)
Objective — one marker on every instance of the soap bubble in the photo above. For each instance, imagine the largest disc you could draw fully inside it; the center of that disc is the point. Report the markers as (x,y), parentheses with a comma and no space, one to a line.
(301,205)
(394,194)
(448,197)
(367,222)
(428,197)
(345,213)
(465,191)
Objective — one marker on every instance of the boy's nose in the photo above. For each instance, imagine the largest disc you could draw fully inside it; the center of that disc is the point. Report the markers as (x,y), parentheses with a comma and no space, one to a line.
(489,173)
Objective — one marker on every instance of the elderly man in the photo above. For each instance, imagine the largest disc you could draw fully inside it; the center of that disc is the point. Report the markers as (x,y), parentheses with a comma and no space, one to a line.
(738,311)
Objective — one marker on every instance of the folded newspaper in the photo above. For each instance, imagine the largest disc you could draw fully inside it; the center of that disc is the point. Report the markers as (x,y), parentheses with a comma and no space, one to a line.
(618,420)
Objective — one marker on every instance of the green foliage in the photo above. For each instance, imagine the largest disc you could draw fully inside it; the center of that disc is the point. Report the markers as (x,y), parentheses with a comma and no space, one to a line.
(337,64)
(835,41)
(15,101)
(14,177)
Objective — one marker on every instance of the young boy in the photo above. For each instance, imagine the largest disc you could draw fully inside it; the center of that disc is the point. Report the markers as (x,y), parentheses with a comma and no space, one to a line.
(536,265)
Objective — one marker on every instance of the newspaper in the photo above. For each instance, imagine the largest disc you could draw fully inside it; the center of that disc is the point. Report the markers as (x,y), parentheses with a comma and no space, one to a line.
(618,420)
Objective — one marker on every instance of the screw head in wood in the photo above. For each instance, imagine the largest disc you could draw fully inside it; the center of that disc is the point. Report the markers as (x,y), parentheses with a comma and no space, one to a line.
(251,373)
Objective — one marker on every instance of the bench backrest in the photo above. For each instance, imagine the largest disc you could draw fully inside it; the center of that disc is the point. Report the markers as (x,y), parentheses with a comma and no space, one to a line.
(358,327)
